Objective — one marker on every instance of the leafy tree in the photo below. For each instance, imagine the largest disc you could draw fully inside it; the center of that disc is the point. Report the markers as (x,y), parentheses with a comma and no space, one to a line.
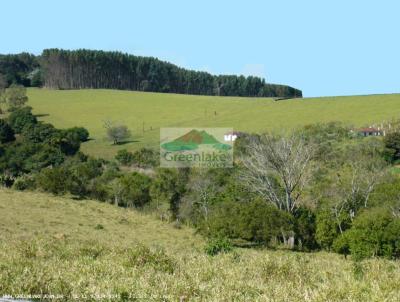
(39,132)
(17,68)
(305,229)
(326,229)
(15,96)
(254,221)
(81,176)
(392,144)
(131,190)
(36,77)
(145,158)
(117,134)
(373,233)
(82,134)
(167,190)
(54,180)
(6,132)
(68,141)
(21,118)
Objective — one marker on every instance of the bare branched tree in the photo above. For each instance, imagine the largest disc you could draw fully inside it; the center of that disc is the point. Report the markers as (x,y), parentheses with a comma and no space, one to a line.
(352,186)
(278,168)
(202,192)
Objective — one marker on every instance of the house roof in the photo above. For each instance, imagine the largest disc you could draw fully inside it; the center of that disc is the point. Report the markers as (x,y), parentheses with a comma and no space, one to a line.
(369,129)
(233,133)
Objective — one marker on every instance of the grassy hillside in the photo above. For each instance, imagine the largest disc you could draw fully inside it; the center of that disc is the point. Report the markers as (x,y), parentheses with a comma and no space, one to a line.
(89,108)
(54,245)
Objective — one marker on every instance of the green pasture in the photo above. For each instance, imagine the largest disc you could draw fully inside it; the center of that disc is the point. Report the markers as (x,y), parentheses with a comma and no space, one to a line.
(145,113)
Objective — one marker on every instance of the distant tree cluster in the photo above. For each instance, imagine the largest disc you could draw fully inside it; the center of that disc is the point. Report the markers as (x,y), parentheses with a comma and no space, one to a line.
(22,69)
(64,69)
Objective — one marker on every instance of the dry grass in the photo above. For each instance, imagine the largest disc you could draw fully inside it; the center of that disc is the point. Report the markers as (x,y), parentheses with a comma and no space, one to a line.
(87,250)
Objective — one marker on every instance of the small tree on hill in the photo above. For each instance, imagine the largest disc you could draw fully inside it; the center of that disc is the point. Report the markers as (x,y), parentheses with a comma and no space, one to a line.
(115,133)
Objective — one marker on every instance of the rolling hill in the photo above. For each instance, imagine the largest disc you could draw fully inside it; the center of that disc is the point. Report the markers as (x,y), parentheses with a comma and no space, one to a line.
(86,249)
(145,113)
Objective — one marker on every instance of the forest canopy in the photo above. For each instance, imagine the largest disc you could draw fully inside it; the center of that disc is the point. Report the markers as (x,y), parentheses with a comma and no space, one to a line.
(79,69)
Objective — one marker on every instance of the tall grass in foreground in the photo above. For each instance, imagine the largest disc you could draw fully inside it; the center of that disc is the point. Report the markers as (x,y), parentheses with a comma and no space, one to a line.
(52,245)
(88,270)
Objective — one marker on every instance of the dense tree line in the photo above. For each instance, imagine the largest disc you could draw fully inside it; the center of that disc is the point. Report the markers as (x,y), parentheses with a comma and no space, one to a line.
(64,69)
(22,69)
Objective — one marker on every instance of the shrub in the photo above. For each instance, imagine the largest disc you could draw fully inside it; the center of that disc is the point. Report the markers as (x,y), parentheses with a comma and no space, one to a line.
(69,142)
(392,144)
(218,245)
(254,221)
(82,174)
(143,256)
(6,132)
(99,227)
(21,118)
(23,183)
(326,229)
(38,133)
(82,134)
(54,180)
(341,244)
(374,233)
(124,157)
(145,158)
(132,190)
(305,228)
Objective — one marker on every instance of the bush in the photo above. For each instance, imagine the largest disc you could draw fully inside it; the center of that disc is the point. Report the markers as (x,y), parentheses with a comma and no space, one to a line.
(21,118)
(145,158)
(341,244)
(69,141)
(23,183)
(80,133)
(54,180)
(218,245)
(254,221)
(326,229)
(143,256)
(305,228)
(39,133)
(124,157)
(132,190)
(374,233)
(392,144)
(6,132)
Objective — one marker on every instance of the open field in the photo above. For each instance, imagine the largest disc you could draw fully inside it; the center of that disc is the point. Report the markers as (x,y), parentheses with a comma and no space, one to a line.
(59,246)
(138,110)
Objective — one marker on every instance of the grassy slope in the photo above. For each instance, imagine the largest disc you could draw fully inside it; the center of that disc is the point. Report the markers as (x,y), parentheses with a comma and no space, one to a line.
(51,245)
(89,108)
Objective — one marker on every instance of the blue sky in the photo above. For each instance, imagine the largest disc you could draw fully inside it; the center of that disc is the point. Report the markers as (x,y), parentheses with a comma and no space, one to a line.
(322,47)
